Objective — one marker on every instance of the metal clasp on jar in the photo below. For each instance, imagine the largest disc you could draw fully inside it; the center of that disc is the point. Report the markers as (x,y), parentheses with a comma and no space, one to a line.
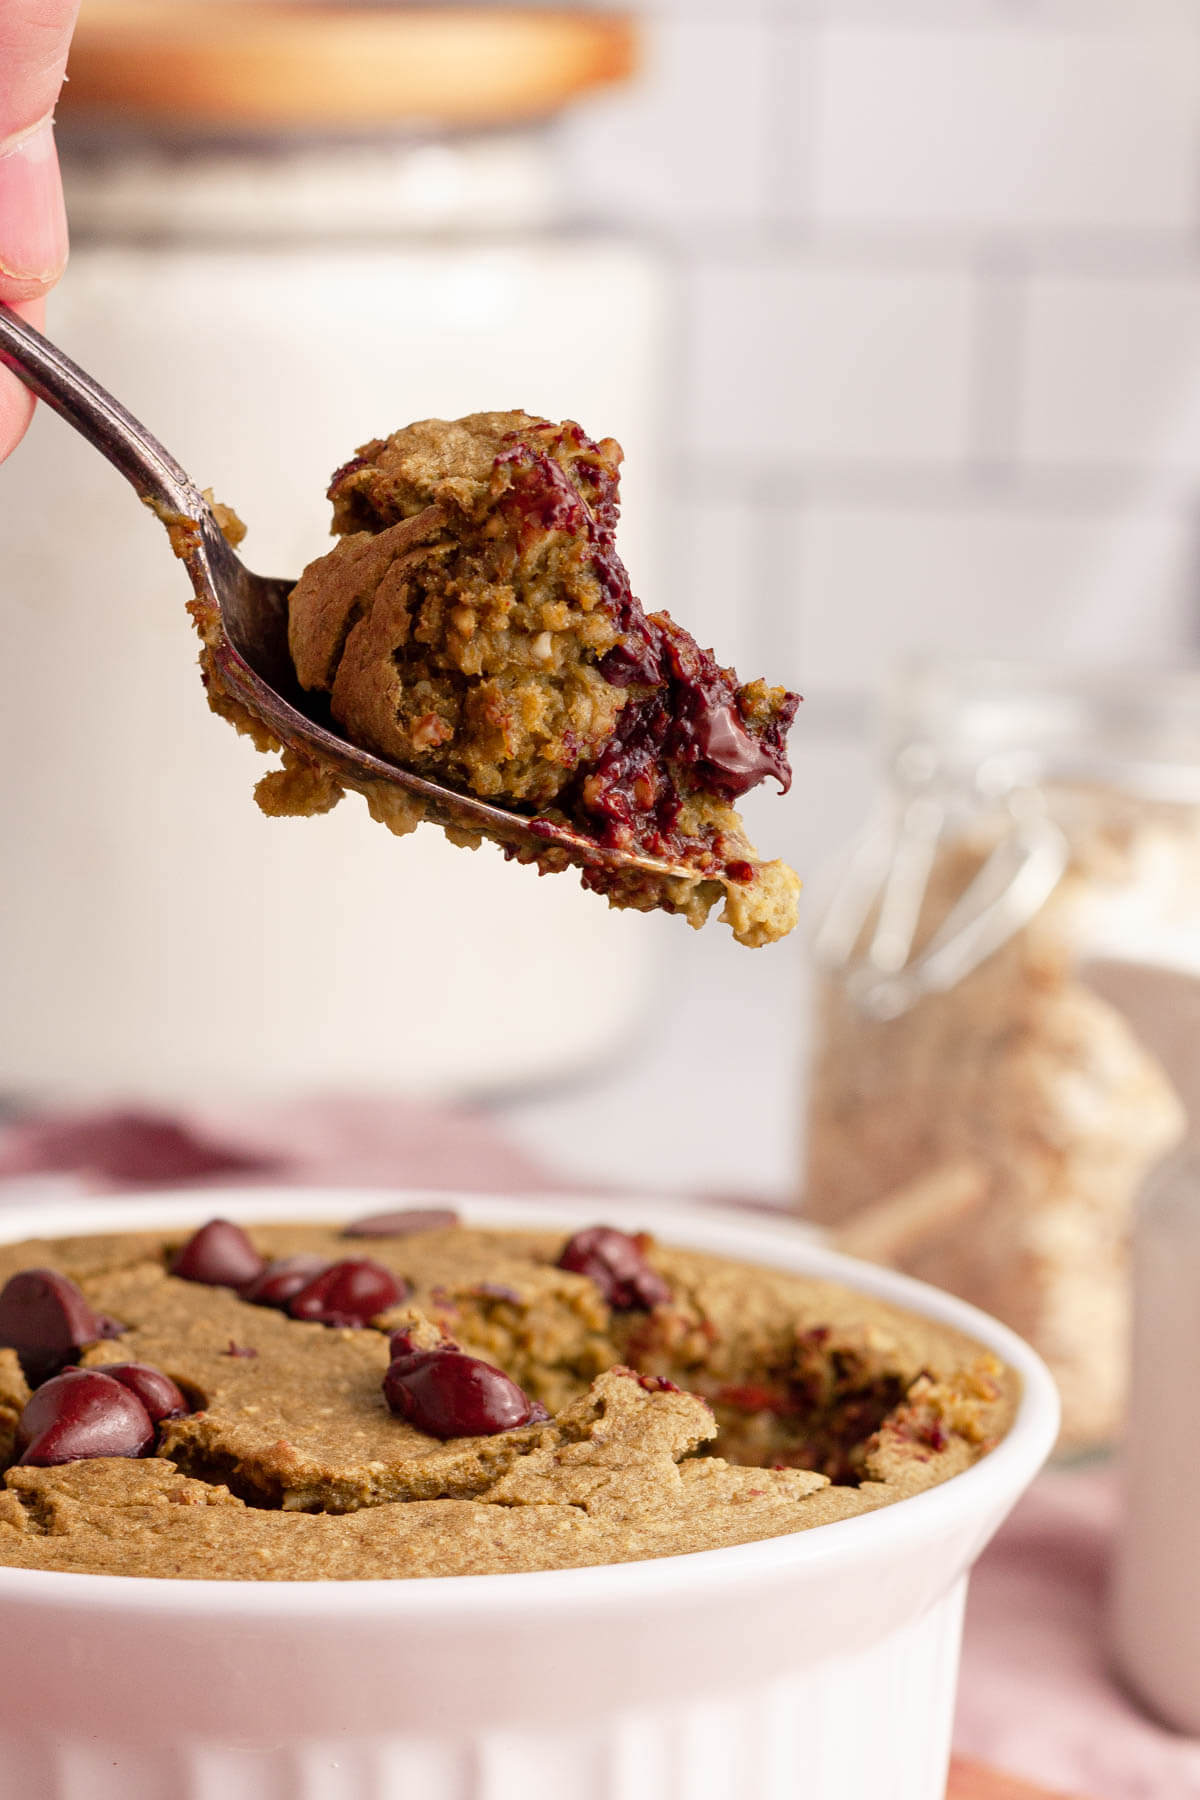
(887,875)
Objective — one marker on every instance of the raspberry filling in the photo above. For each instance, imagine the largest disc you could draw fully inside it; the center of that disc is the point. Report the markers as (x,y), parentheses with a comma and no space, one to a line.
(789,1423)
(684,729)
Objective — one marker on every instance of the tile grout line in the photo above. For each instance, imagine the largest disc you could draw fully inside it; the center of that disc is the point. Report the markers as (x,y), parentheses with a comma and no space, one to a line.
(998,367)
(1054,487)
(1194,582)
(1037,17)
(1064,250)
(792,194)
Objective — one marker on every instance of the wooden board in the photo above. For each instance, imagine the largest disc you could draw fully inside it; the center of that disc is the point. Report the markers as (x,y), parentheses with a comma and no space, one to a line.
(971,1781)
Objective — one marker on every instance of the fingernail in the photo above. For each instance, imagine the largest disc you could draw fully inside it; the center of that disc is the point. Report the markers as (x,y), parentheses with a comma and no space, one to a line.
(33,219)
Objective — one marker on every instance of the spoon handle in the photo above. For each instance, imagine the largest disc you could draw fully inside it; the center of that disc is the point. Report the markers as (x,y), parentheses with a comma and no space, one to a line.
(72,393)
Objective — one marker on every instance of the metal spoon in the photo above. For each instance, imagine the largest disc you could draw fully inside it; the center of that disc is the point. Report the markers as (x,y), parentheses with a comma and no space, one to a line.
(243,617)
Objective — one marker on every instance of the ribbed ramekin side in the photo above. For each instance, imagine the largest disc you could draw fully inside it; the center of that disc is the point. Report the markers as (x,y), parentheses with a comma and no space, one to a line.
(873,1725)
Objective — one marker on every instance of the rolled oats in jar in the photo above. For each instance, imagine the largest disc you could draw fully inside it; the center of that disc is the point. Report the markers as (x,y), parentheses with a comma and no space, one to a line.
(1010,999)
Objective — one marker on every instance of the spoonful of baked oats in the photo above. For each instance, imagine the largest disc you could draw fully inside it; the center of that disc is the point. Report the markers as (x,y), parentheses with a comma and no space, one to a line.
(471,654)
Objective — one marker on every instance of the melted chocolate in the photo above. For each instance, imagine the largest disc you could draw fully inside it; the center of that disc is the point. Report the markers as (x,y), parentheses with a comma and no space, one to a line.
(687,732)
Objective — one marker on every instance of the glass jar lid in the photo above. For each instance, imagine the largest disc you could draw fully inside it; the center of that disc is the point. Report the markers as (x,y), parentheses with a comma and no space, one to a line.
(993,727)
(1023,747)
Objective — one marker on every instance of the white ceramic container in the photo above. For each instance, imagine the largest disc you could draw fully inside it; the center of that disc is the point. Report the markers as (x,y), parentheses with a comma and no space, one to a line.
(821,1664)
(135,818)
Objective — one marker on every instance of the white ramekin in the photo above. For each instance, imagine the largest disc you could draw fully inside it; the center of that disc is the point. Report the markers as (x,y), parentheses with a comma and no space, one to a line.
(821,1664)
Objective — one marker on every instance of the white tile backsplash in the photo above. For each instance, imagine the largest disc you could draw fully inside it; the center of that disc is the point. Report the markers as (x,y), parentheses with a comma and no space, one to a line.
(803,357)
(834,781)
(687,144)
(795,112)
(716,545)
(1112,373)
(943,390)
(877,585)
(707,1100)
(1007,128)
(937,266)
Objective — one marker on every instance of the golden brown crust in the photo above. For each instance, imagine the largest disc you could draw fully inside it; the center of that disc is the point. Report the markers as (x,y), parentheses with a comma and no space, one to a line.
(292,1466)
(476,625)
(449,637)
(438,649)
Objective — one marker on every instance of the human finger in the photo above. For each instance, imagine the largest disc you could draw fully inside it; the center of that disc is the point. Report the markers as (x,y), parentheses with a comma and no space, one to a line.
(16,402)
(35,36)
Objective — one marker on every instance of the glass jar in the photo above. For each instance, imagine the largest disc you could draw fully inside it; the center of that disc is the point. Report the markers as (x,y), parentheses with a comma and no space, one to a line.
(269,269)
(1009,961)
(1155,1614)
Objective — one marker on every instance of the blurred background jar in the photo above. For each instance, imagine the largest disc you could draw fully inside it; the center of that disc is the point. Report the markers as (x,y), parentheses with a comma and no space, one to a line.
(1009,1015)
(294,229)
(1155,1600)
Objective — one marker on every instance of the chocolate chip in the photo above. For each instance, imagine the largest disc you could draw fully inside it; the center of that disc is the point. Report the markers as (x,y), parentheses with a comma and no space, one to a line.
(448,1394)
(348,1293)
(83,1413)
(737,760)
(47,1321)
(615,1263)
(218,1255)
(402,1224)
(156,1391)
(283,1278)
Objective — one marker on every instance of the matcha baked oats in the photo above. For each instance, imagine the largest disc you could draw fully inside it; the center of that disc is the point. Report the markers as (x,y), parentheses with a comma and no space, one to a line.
(476,625)
(411,1396)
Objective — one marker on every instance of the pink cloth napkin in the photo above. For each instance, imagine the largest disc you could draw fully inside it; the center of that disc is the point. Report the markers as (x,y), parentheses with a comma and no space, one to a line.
(1036,1696)
(325,1141)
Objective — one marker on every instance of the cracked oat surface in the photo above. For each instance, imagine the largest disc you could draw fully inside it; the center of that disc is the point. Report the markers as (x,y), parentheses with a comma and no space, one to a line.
(293,1467)
(475,625)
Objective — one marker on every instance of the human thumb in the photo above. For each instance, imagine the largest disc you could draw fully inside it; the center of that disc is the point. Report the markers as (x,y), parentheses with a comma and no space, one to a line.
(33,220)
(34,36)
